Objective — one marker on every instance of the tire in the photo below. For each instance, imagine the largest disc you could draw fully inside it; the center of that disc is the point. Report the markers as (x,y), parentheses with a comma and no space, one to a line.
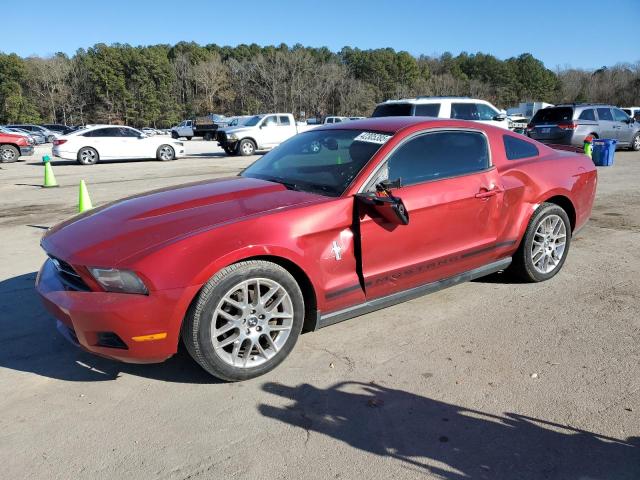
(246,147)
(188,138)
(243,350)
(174,135)
(9,154)
(547,215)
(88,156)
(635,142)
(208,137)
(230,151)
(165,153)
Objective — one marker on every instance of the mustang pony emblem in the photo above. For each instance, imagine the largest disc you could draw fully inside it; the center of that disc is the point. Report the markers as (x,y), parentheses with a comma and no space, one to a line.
(337,250)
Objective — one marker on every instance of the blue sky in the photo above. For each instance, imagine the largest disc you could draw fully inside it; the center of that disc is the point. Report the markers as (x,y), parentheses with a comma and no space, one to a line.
(559,32)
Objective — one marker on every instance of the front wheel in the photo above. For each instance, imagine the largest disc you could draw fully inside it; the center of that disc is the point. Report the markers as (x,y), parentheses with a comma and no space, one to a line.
(635,142)
(165,153)
(188,138)
(245,320)
(9,153)
(545,245)
(246,147)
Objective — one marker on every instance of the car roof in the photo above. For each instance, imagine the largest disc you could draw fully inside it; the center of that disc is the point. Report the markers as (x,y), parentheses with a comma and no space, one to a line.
(428,99)
(393,125)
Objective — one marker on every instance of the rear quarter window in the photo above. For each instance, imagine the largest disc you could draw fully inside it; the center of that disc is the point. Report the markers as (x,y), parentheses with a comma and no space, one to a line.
(516,148)
(428,110)
(587,115)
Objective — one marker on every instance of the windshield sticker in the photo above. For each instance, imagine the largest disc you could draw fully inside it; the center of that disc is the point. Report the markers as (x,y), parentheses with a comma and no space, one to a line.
(372,137)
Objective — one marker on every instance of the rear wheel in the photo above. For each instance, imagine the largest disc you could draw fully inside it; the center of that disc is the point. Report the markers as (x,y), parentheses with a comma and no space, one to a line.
(165,153)
(246,147)
(208,137)
(245,320)
(188,138)
(635,142)
(88,156)
(545,245)
(9,153)
(229,150)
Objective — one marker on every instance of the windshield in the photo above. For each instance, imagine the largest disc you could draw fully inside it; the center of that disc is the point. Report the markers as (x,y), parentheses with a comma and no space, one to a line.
(393,110)
(253,121)
(319,161)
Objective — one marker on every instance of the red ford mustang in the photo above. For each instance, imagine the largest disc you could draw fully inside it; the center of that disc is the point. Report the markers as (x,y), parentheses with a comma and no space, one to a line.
(336,222)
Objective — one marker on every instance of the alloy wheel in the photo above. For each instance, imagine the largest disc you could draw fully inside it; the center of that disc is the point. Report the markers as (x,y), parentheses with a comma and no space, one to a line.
(8,155)
(252,322)
(166,152)
(548,246)
(88,156)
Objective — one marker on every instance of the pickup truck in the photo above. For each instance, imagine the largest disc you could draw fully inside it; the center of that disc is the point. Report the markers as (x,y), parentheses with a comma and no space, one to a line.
(260,132)
(13,146)
(204,127)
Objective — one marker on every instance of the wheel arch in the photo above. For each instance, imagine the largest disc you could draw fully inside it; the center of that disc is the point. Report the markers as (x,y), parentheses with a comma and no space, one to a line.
(249,138)
(300,275)
(566,204)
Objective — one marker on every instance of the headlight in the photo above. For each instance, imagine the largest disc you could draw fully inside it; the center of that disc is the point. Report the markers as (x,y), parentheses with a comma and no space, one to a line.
(232,136)
(119,281)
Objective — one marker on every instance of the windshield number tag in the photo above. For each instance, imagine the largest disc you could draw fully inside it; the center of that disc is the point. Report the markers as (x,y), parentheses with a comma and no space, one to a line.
(372,137)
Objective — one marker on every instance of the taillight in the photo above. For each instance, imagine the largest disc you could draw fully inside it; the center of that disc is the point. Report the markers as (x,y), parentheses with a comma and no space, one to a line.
(59,141)
(568,126)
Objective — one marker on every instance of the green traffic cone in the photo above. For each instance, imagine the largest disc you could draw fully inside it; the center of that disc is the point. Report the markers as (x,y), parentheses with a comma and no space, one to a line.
(49,177)
(84,202)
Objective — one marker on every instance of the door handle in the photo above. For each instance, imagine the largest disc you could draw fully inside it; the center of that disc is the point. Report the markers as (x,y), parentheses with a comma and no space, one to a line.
(486,193)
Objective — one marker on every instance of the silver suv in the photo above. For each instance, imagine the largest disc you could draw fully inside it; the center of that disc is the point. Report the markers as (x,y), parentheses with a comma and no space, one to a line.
(570,124)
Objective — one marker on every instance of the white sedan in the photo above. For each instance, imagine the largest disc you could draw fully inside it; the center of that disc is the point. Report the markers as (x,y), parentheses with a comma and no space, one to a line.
(114,142)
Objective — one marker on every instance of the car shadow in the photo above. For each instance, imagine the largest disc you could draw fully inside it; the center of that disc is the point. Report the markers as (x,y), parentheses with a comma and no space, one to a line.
(67,163)
(31,343)
(450,441)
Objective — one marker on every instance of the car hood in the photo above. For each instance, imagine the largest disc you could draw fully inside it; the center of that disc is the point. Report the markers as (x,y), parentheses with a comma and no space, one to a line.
(111,234)
(238,130)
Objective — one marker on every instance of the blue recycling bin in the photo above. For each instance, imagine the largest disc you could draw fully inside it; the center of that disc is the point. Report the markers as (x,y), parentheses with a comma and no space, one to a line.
(603,151)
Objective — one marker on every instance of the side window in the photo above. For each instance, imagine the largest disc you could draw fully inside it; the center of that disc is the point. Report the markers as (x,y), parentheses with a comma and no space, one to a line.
(284,120)
(270,121)
(516,148)
(94,133)
(189,123)
(427,110)
(485,112)
(464,111)
(604,114)
(128,132)
(436,155)
(619,115)
(587,115)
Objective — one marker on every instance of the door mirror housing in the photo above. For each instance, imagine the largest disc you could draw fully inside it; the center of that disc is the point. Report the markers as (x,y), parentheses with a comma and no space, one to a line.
(389,207)
(500,117)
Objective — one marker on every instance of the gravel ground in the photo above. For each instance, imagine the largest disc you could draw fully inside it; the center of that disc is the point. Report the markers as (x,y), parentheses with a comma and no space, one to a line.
(486,380)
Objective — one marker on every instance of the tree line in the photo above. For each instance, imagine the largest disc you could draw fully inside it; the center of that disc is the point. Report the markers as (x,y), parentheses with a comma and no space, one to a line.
(160,85)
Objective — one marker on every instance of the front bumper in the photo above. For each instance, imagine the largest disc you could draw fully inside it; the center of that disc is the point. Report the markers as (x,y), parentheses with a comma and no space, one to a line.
(26,151)
(94,320)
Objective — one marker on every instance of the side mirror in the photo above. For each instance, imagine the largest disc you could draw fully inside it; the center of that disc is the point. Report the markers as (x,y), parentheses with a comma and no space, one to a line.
(390,208)
(500,117)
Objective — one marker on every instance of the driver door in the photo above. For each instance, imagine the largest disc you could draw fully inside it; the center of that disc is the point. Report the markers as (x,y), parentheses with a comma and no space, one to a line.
(453,196)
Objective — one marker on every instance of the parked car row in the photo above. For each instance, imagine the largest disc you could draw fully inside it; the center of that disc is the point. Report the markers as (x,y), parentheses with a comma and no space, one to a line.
(570,124)
(114,142)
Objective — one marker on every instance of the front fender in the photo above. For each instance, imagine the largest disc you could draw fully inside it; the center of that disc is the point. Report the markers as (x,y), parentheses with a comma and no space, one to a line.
(248,252)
